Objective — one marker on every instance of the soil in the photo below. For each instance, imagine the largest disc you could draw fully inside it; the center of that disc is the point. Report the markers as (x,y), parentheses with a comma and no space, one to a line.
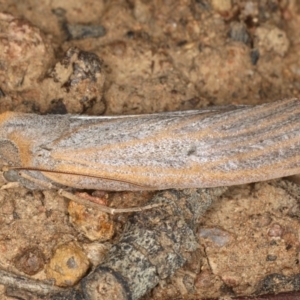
(139,56)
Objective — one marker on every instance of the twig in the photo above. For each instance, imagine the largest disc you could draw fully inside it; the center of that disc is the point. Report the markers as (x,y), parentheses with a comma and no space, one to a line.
(154,245)
(25,283)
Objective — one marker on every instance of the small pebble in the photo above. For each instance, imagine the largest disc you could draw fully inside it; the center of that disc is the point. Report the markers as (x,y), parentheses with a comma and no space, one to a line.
(80,78)
(254,55)
(68,265)
(222,5)
(270,38)
(30,261)
(96,252)
(271,257)
(215,235)
(238,32)
(78,31)
(94,224)
(275,231)
(204,280)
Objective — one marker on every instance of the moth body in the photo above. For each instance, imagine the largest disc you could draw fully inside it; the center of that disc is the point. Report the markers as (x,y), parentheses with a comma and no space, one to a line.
(190,149)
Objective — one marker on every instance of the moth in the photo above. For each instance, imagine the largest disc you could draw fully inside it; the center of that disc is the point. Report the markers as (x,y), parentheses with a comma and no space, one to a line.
(216,146)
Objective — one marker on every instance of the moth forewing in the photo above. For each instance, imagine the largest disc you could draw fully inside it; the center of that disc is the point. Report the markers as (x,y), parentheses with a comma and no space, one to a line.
(126,153)
(205,148)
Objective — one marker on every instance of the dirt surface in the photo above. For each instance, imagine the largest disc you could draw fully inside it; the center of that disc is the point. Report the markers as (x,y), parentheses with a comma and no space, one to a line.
(137,56)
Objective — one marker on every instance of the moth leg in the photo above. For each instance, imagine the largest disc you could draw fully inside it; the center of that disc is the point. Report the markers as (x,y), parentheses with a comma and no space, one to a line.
(17,178)
(10,185)
(5,185)
(103,208)
(16,184)
(99,200)
(46,185)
